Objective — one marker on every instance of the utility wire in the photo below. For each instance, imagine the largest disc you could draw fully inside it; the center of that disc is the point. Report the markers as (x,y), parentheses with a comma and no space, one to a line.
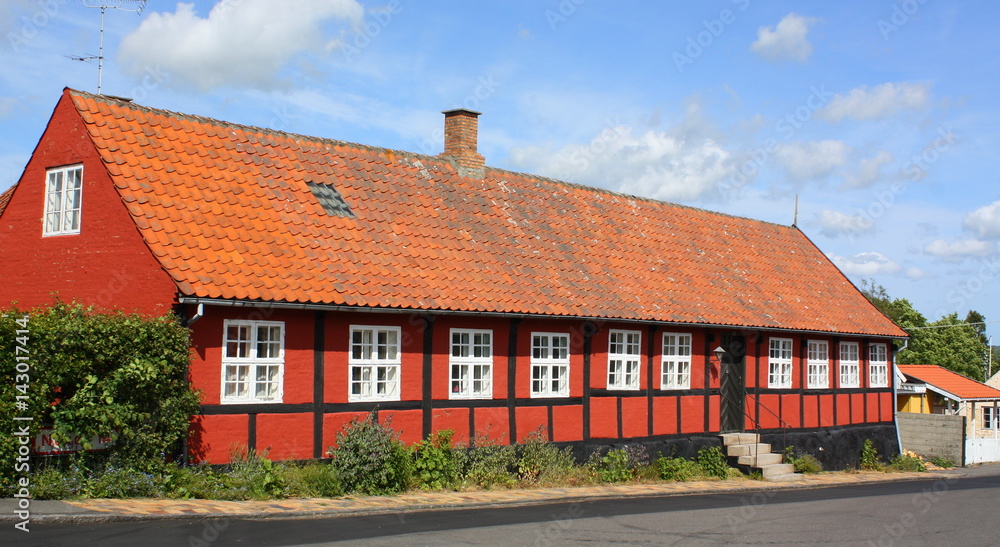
(947,326)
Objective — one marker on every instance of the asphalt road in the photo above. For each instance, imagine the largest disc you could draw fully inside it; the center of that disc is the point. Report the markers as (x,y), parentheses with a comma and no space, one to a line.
(954,511)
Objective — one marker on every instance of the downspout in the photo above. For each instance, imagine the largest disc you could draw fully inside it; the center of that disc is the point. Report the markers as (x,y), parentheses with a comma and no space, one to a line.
(199,312)
(895,404)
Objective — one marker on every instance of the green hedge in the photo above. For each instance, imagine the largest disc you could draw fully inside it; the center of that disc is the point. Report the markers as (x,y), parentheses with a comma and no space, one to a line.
(94,374)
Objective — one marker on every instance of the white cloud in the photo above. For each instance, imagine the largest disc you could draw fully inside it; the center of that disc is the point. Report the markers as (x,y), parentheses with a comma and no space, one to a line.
(866,264)
(808,161)
(918,274)
(869,170)
(236,45)
(835,224)
(683,163)
(960,250)
(985,221)
(786,41)
(880,101)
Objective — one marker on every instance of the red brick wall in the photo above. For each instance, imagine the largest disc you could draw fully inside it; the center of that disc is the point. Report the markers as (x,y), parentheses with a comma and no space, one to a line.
(106,265)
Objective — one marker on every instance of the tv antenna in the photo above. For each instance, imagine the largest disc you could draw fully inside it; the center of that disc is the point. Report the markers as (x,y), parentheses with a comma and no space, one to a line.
(124,5)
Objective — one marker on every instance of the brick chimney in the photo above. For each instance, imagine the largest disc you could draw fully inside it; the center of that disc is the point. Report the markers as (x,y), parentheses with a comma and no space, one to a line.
(461,133)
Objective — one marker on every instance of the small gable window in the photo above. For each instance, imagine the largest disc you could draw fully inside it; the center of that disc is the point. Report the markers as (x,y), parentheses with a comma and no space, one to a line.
(63,194)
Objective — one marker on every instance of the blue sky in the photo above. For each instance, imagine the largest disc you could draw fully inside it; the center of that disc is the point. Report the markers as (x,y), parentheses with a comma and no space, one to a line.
(880,115)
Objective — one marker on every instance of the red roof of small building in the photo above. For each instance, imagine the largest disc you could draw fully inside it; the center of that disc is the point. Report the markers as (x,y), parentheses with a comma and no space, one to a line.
(949,381)
(5,198)
(229,213)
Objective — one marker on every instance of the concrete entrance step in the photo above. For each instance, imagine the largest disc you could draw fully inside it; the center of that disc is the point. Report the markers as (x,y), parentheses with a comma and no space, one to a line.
(736,450)
(754,455)
(739,438)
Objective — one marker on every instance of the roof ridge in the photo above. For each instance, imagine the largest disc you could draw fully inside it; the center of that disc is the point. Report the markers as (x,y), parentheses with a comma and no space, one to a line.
(129,103)
(612,193)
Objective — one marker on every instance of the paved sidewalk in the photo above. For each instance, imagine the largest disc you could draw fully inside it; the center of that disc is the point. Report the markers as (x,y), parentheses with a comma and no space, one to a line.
(106,510)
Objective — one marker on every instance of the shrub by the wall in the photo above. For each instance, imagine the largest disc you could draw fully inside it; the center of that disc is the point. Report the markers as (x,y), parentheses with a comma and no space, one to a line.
(96,374)
(370,458)
(435,463)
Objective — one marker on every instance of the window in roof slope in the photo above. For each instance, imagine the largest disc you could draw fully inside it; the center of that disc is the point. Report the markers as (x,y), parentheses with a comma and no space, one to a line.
(330,199)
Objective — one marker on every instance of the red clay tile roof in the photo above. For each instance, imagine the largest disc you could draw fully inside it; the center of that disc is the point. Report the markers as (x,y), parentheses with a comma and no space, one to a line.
(227,211)
(5,198)
(950,381)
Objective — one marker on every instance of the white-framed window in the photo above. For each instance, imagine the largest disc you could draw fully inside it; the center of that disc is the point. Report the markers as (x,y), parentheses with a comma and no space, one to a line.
(63,195)
(878,365)
(849,365)
(990,416)
(818,361)
(549,364)
(471,364)
(253,361)
(374,364)
(624,357)
(779,363)
(676,365)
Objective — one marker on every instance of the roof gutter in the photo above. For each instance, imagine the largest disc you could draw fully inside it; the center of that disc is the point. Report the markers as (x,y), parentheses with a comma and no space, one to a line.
(232,303)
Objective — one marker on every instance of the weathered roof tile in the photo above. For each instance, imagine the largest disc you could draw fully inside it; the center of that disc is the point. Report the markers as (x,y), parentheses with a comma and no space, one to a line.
(422,237)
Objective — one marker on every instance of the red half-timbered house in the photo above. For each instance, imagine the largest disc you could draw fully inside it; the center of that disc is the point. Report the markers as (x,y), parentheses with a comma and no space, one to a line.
(322,279)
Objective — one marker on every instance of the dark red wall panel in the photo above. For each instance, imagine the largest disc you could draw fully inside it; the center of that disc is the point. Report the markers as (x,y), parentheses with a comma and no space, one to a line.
(530,419)
(692,414)
(334,423)
(858,410)
(769,420)
(216,436)
(714,421)
(409,423)
(810,407)
(567,423)
(790,411)
(493,423)
(635,412)
(665,416)
(456,419)
(285,436)
(604,417)
(826,416)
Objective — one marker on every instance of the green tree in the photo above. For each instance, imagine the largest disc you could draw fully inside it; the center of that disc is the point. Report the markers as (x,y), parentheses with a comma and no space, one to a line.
(953,344)
(949,342)
(899,310)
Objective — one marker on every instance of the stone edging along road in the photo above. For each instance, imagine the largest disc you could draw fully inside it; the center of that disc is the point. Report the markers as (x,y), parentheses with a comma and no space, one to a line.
(109,510)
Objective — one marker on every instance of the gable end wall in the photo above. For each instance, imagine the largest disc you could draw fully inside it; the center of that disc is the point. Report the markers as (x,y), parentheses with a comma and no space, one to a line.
(107,264)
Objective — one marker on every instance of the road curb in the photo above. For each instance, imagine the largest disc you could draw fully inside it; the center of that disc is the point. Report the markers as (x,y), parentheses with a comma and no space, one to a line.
(561,497)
